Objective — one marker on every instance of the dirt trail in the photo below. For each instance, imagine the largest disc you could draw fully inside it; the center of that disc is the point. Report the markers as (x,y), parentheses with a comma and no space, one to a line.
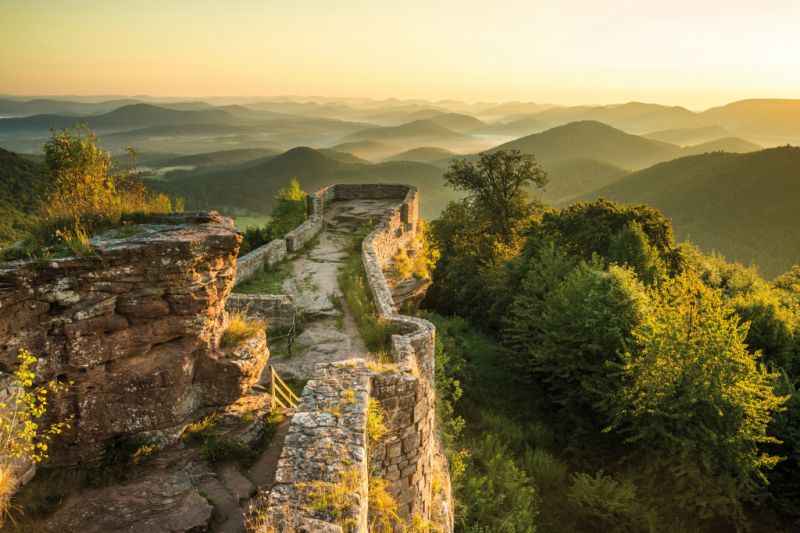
(329,333)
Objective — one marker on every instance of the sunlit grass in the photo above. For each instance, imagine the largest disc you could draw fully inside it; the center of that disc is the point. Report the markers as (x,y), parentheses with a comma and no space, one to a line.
(241,328)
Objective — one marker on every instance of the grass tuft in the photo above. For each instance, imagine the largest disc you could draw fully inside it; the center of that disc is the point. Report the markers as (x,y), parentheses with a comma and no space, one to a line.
(240,329)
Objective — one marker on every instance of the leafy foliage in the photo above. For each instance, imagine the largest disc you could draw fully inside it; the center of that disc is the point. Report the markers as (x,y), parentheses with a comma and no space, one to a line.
(698,405)
(288,212)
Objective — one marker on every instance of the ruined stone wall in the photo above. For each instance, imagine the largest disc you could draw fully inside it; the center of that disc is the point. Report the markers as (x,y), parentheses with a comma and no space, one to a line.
(276,250)
(136,328)
(262,257)
(278,309)
(411,451)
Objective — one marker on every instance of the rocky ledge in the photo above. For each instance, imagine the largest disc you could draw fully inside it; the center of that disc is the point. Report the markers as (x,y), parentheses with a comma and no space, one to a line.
(135,327)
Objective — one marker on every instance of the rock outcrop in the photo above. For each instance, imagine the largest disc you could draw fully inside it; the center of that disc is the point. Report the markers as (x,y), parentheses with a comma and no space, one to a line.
(135,327)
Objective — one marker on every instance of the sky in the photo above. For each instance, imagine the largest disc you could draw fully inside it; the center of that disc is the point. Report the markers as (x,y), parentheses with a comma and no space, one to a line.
(695,53)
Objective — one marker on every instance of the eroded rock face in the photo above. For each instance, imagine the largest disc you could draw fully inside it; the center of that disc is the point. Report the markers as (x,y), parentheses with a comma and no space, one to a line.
(136,327)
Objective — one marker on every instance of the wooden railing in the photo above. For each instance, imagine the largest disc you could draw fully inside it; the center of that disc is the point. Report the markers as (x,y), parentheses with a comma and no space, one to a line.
(282,395)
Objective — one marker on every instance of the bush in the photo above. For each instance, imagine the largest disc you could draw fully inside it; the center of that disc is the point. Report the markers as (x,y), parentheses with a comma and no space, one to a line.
(600,503)
(87,193)
(495,494)
(288,213)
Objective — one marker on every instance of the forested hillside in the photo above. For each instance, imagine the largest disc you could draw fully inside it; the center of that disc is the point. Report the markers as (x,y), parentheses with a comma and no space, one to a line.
(741,205)
(598,375)
(21,184)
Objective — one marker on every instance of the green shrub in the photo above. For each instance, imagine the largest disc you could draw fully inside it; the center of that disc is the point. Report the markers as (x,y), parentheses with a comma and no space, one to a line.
(547,472)
(218,449)
(495,494)
(601,503)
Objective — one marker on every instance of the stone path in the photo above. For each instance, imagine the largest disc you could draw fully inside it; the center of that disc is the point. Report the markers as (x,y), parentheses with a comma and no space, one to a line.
(328,333)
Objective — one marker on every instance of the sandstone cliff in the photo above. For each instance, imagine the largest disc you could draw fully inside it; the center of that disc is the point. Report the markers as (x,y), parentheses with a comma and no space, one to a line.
(136,327)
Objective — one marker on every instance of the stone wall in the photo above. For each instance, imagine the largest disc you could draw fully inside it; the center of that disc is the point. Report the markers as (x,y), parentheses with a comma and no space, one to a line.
(276,250)
(411,451)
(136,328)
(278,309)
(262,257)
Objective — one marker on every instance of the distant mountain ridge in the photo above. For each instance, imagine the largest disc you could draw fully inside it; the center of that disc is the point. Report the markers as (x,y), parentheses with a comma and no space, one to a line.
(595,140)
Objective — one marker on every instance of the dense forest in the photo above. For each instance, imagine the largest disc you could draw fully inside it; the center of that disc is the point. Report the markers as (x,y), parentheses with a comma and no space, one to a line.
(597,375)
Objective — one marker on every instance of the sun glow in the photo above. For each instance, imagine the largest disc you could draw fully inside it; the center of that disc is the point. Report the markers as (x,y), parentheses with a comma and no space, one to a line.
(574,51)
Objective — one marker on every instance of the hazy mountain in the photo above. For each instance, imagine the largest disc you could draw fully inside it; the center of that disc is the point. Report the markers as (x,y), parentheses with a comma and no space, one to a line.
(343,157)
(741,205)
(518,126)
(254,186)
(769,118)
(412,130)
(123,118)
(594,140)
(726,144)
(425,154)
(41,106)
(511,108)
(457,122)
(688,136)
(369,150)
(633,116)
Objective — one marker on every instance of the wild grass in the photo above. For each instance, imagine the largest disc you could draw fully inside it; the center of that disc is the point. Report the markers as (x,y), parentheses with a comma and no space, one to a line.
(240,329)
(8,483)
(353,282)
(334,499)
(216,448)
(268,281)
(376,426)
(383,516)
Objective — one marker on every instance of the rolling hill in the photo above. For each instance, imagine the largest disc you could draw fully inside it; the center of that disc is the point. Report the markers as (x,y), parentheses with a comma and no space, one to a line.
(594,140)
(123,118)
(254,186)
(569,178)
(734,145)
(416,129)
(741,205)
(425,154)
(22,183)
(688,136)
(222,157)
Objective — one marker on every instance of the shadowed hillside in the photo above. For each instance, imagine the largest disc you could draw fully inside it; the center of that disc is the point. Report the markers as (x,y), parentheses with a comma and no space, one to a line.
(594,140)
(741,205)
(254,186)
(22,183)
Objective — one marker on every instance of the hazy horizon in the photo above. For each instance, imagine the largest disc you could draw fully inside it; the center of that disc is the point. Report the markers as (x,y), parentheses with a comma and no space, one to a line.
(573,53)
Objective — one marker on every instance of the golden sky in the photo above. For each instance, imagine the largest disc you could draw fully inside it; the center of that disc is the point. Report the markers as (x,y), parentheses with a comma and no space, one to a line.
(695,53)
